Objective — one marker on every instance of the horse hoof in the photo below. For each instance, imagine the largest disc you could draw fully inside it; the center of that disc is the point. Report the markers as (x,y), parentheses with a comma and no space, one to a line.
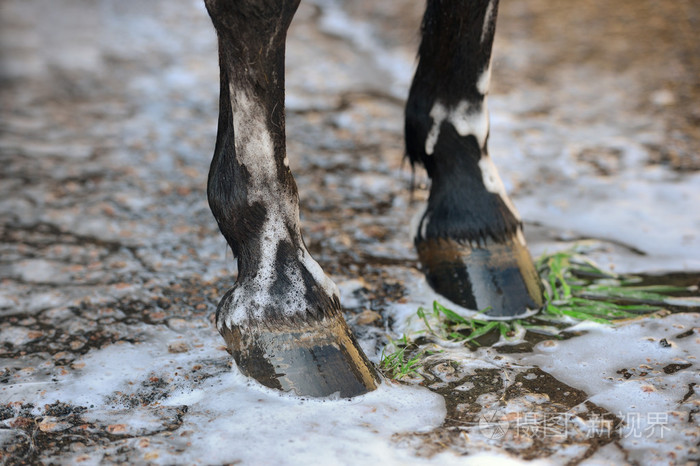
(314,359)
(498,279)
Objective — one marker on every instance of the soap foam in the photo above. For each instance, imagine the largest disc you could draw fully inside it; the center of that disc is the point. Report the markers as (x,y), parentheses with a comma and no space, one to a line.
(228,416)
(592,363)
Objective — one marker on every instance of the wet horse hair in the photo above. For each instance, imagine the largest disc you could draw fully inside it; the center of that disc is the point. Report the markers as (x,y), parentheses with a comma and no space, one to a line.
(282,320)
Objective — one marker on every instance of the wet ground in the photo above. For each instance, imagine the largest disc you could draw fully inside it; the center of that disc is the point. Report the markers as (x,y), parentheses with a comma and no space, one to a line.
(111,265)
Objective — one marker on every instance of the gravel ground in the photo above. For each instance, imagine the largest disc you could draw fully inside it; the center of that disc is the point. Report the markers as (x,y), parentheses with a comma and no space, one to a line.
(111,264)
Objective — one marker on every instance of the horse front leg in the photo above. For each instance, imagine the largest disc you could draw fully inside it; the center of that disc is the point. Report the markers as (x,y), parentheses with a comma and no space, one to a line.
(282,320)
(469,238)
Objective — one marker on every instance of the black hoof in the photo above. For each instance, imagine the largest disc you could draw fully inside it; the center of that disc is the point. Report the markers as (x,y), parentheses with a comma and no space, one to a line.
(314,359)
(497,278)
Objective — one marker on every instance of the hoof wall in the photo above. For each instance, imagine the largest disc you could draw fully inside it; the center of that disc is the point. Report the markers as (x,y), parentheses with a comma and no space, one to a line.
(315,359)
(497,278)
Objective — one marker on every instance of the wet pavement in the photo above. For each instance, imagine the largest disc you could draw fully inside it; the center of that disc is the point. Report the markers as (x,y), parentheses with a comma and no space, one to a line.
(111,264)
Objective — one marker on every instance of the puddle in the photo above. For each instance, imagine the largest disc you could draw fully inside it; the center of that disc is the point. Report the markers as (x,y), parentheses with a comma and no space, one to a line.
(539,400)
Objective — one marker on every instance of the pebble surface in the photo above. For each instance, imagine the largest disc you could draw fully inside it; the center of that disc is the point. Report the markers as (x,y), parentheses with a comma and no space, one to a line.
(111,265)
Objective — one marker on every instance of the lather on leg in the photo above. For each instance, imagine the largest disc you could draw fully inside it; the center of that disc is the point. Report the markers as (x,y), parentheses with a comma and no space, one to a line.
(469,239)
(282,320)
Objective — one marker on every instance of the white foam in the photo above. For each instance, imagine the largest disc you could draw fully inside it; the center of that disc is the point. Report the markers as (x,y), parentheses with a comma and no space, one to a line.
(603,208)
(229,417)
(251,299)
(289,430)
(40,270)
(592,362)
(16,336)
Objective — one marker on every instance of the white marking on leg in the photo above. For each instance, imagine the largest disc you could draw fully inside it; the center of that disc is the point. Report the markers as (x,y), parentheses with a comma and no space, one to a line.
(467,118)
(254,146)
(494,184)
(482,84)
(250,300)
(488,16)
(415,225)
(255,151)
(424,224)
(438,113)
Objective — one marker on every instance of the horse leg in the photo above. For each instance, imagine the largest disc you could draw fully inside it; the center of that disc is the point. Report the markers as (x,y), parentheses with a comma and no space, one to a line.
(282,320)
(469,238)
